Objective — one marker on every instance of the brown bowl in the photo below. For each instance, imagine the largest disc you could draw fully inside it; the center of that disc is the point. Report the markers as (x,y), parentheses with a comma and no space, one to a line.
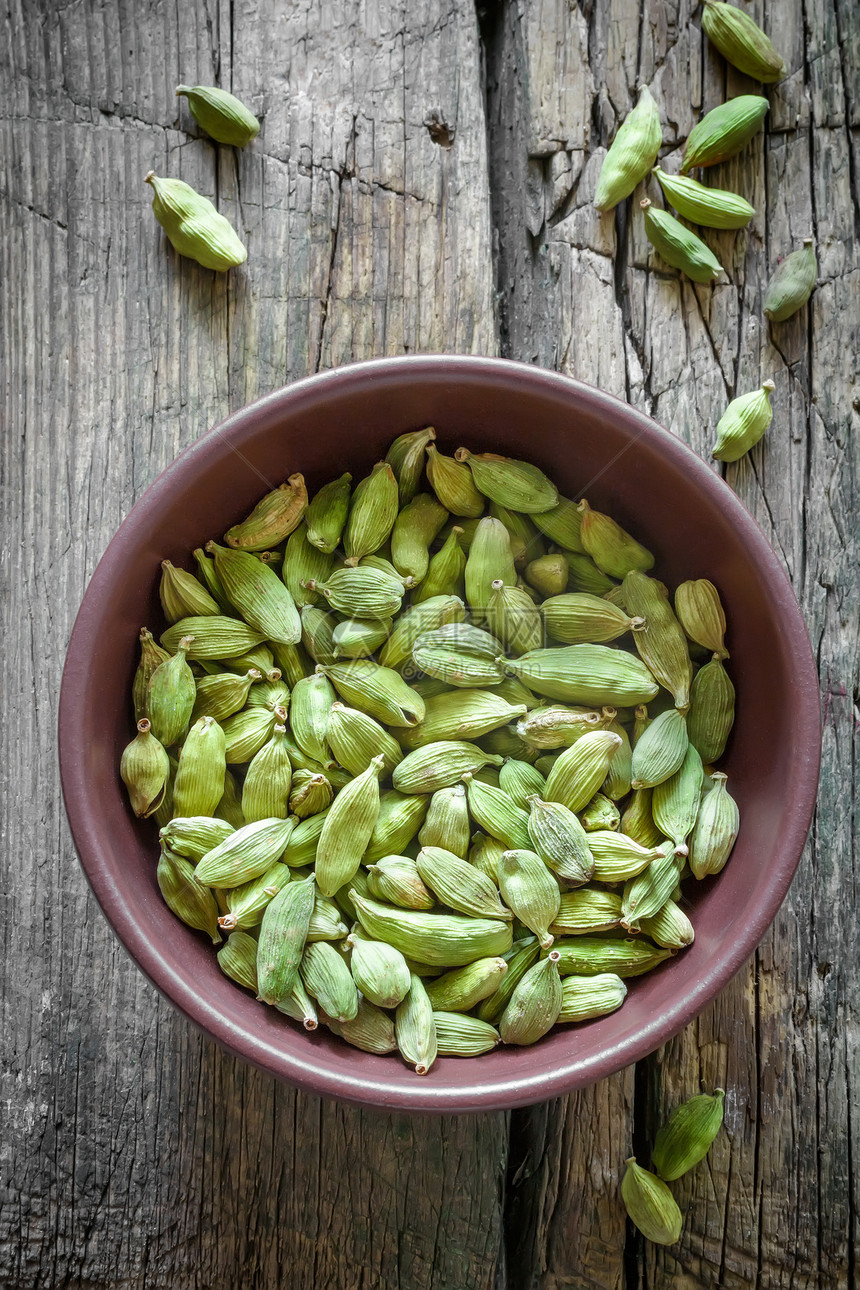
(591,444)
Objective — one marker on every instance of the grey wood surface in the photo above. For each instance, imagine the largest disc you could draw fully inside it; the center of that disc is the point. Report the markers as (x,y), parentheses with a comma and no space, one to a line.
(422,182)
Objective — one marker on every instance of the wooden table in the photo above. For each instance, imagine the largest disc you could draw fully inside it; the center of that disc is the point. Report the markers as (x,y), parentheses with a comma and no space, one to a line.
(423,182)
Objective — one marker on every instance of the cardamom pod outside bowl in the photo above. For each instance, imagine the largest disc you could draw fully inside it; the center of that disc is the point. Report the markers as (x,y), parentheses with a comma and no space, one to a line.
(590,443)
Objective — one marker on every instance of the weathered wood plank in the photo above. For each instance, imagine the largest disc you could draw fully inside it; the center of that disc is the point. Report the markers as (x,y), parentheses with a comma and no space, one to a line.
(133,1152)
(776,1205)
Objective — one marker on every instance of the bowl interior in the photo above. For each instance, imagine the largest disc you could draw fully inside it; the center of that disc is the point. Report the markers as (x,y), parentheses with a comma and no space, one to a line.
(591,445)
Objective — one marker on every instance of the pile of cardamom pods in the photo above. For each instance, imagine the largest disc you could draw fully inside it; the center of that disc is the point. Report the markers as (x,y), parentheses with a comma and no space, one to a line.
(435,754)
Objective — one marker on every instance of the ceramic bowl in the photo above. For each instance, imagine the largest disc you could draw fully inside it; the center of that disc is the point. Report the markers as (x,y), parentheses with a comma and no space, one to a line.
(591,444)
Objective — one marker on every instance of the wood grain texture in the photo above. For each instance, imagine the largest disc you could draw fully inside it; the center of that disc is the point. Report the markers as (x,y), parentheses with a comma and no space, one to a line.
(776,1204)
(400,145)
(133,1152)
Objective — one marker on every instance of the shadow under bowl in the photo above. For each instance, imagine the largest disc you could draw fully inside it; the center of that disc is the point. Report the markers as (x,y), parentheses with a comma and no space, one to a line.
(591,444)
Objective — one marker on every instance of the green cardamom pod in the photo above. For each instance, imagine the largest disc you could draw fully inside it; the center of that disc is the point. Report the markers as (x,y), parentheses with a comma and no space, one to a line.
(496,813)
(372,513)
(485,854)
(326,977)
(318,634)
(445,573)
(560,840)
(414,622)
(406,459)
(212,637)
(221,114)
(312,701)
(618,857)
(272,519)
(700,612)
(440,940)
(461,714)
(395,878)
(611,548)
(199,784)
(182,595)
(535,1004)
(356,738)
(379,691)
(452,483)
(210,579)
(258,593)
(439,765)
(522,955)
(399,819)
(459,885)
(660,751)
(283,933)
(170,696)
(462,988)
(347,830)
(632,153)
(742,42)
(724,131)
(459,1035)
(517,485)
(193,226)
(626,957)
(521,781)
(230,806)
(792,284)
(662,645)
(715,830)
(581,769)
(556,726)
(675,802)
(224,693)
(151,656)
(584,575)
(712,710)
(679,245)
(414,529)
(577,618)
(650,1205)
(669,927)
(709,207)
(600,813)
(246,732)
(620,770)
(327,512)
(305,566)
(415,1028)
(530,891)
(490,559)
(245,854)
(526,541)
(548,574)
(446,823)
(562,524)
(191,902)
(686,1137)
(455,654)
(247,904)
(637,822)
(589,674)
(743,423)
(191,837)
(266,791)
(646,894)
(584,997)
(371,1030)
(513,616)
(144,769)
(309,794)
(361,592)
(237,959)
(586,911)
(379,970)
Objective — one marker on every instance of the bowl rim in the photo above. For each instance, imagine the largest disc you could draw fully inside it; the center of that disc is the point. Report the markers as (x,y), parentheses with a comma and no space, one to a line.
(425,1096)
